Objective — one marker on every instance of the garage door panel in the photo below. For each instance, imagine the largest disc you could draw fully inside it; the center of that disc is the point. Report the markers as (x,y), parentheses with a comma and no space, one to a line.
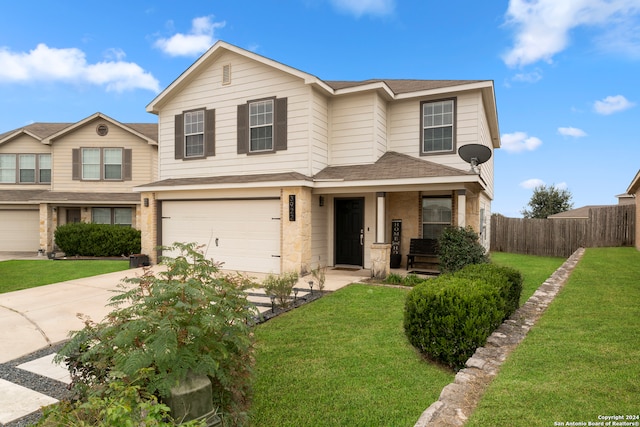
(243,234)
(20,230)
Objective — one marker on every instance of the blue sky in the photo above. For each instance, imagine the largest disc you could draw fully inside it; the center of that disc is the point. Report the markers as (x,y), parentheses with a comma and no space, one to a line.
(566,72)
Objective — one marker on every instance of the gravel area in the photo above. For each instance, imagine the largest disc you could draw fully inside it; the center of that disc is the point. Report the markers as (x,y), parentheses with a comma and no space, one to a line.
(44,385)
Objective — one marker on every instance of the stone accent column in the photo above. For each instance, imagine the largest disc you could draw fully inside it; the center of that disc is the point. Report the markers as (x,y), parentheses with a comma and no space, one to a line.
(295,235)
(380,260)
(46,227)
(147,224)
(462,208)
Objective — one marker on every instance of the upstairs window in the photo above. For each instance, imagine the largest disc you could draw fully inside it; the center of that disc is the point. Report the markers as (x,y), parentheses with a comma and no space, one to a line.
(113,163)
(27,164)
(91,164)
(194,134)
(8,168)
(44,170)
(100,164)
(261,126)
(25,168)
(438,127)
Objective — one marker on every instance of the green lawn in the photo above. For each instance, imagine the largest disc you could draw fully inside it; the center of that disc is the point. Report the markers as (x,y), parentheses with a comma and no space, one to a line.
(580,360)
(16,275)
(535,269)
(343,361)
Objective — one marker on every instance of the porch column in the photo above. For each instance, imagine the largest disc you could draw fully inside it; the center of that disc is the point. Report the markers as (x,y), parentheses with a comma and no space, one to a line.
(381,214)
(380,251)
(462,208)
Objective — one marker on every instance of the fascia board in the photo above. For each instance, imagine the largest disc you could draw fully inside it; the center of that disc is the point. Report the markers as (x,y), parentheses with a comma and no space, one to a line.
(228,186)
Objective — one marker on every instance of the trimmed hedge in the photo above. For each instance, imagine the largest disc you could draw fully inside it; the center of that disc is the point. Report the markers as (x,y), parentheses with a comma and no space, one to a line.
(449,317)
(459,247)
(99,240)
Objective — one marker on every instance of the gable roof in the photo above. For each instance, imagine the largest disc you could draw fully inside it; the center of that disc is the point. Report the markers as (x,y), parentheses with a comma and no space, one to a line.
(391,89)
(635,184)
(46,132)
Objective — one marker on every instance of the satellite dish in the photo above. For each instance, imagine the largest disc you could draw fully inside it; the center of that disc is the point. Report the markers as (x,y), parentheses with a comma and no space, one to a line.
(474,154)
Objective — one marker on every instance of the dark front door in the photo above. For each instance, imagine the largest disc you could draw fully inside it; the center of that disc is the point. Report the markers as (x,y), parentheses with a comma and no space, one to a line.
(73,216)
(349,231)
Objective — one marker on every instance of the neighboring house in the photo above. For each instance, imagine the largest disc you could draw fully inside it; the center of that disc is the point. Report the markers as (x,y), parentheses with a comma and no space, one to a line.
(55,173)
(273,169)
(578,213)
(634,190)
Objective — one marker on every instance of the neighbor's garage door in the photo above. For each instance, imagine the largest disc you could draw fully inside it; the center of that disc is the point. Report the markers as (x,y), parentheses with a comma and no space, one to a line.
(20,230)
(244,234)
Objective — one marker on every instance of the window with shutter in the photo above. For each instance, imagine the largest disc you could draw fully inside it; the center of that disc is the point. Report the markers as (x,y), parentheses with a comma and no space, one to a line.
(194,134)
(262,126)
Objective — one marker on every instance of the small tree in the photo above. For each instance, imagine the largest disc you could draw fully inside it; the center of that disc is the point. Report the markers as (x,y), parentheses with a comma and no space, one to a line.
(547,201)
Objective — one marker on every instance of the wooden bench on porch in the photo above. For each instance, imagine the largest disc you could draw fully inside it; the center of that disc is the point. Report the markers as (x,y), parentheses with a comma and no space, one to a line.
(423,252)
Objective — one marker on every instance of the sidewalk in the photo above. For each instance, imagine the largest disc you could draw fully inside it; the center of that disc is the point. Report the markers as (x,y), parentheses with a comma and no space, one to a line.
(33,321)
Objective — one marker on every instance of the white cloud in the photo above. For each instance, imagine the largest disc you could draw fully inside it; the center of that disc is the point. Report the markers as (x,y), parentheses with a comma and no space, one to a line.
(364,7)
(612,104)
(543,26)
(530,184)
(571,131)
(198,40)
(532,77)
(46,64)
(519,141)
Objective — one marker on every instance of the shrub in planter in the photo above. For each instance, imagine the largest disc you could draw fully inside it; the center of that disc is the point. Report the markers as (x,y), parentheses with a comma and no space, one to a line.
(189,319)
(507,280)
(458,247)
(280,287)
(100,240)
(448,317)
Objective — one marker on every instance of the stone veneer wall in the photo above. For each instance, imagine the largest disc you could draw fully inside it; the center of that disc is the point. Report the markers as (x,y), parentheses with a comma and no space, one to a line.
(458,399)
(295,241)
(147,224)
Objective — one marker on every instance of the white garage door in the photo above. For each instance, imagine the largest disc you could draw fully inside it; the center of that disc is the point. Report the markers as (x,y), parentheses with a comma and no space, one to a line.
(244,234)
(20,230)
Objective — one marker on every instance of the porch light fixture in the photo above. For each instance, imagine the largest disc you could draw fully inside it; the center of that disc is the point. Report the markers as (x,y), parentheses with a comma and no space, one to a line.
(321,202)
(146,202)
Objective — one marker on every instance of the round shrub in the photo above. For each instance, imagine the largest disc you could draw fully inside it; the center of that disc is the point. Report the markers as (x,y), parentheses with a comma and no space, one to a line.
(99,240)
(458,247)
(447,318)
(507,280)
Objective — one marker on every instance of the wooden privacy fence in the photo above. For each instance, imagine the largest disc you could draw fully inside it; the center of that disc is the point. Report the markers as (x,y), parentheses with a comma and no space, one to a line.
(606,226)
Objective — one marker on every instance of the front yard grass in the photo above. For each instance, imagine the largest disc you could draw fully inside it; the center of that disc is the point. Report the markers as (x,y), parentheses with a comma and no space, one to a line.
(343,361)
(580,361)
(24,274)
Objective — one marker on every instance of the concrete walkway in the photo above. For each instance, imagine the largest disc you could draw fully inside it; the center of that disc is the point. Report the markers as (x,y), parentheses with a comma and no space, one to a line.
(35,319)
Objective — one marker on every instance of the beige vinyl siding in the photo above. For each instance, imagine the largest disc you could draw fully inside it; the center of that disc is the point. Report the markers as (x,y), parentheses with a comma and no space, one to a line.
(380,131)
(404,128)
(319,132)
(250,81)
(143,170)
(353,124)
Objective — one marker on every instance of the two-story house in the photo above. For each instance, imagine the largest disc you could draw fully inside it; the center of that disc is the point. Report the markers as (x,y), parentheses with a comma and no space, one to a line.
(273,169)
(55,173)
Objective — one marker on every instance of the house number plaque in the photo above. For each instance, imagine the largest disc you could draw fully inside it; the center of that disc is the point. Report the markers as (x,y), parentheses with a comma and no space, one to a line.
(292,207)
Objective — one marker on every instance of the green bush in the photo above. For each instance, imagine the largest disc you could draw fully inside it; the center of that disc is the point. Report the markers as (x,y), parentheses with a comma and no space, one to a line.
(280,287)
(507,280)
(448,317)
(458,247)
(99,240)
(187,319)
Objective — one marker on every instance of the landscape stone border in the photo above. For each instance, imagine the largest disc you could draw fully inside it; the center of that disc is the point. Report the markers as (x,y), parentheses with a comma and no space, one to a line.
(458,399)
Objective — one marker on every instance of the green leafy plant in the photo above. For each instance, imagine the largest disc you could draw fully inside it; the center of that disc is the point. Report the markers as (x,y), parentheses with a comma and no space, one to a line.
(459,247)
(394,279)
(188,319)
(120,404)
(319,275)
(280,287)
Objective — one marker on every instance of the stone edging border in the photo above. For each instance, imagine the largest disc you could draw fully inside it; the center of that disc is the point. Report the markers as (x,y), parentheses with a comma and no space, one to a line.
(458,399)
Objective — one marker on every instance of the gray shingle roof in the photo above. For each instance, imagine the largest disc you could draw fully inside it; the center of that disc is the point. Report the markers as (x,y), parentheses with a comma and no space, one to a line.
(44,130)
(37,196)
(232,179)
